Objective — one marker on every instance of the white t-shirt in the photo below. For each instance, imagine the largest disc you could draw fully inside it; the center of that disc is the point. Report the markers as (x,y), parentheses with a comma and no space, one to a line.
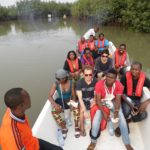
(88,33)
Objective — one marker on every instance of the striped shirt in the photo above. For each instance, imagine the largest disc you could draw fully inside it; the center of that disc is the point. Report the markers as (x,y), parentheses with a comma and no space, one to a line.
(16,134)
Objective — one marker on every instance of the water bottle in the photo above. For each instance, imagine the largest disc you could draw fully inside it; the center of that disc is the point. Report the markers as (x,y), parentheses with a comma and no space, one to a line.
(87,119)
(60,138)
(67,114)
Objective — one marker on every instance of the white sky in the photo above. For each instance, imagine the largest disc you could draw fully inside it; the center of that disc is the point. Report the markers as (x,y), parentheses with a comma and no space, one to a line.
(12,2)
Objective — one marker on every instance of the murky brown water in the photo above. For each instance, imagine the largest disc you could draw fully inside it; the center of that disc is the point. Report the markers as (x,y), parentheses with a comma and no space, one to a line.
(31,52)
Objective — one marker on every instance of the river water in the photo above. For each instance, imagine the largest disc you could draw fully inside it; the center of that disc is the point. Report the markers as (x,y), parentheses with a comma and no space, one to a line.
(31,52)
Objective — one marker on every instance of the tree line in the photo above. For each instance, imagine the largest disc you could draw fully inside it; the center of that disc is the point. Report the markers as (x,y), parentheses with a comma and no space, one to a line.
(134,14)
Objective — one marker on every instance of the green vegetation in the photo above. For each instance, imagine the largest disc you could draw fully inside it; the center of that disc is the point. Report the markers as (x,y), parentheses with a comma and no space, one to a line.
(134,14)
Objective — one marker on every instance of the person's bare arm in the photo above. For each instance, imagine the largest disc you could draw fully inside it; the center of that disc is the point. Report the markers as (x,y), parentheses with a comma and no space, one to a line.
(99,103)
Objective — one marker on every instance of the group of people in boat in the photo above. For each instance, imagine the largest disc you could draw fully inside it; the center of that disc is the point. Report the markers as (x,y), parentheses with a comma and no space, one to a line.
(93,84)
(96,85)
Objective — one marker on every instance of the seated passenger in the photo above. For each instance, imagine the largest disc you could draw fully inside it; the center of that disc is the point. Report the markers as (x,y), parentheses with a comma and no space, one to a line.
(15,132)
(85,92)
(108,98)
(87,58)
(102,64)
(66,92)
(133,82)
(73,65)
(81,46)
(121,58)
(92,47)
(101,43)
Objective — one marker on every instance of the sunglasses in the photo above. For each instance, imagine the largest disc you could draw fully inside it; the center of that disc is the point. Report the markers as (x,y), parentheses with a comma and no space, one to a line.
(88,75)
(60,79)
(104,56)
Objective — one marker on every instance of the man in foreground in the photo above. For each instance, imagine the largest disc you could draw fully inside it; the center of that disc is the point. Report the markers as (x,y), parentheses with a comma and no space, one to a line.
(15,132)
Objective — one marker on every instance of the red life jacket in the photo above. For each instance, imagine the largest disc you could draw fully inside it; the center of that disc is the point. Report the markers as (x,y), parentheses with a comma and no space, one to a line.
(81,46)
(101,45)
(91,45)
(88,62)
(73,65)
(123,58)
(103,122)
(139,87)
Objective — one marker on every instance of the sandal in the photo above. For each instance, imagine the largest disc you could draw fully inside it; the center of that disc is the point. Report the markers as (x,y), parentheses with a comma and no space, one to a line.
(77,132)
(91,146)
(83,133)
(64,132)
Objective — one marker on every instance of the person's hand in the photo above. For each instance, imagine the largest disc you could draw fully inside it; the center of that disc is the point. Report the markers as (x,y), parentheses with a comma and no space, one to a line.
(58,108)
(135,110)
(93,103)
(143,106)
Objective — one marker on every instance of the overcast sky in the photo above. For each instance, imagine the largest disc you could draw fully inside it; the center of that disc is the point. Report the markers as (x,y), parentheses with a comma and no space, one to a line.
(12,2)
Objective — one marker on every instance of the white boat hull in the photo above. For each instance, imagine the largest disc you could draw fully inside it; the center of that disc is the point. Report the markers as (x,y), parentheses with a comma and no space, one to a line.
(45,128)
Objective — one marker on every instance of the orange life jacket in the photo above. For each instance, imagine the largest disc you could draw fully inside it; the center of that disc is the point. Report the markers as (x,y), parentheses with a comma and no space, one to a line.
(73,65)
(81,46)
(101,45)
(103,122)
(16,135)
(87,62)
(139,87)
(91,45)
(123,58)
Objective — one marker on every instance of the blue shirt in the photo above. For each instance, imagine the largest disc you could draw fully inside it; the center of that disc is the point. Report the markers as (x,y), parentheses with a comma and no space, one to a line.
(106,43)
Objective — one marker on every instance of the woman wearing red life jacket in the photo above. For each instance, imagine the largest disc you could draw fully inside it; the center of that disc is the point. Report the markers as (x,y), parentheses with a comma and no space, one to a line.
(73,65)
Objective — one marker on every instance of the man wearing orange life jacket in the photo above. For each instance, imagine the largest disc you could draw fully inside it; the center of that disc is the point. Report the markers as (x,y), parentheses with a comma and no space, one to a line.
(73,65)
(133,82)
(108,97)
(15,132)
(82,44)
(101,43)
(87,58)
(121,58)
(92,47)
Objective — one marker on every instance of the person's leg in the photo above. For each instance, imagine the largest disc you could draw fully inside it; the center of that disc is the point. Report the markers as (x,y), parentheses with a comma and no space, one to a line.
(124,130)
(59,120)
(82,129)
(76,121)
(95,130)
(44,145)
(126,109)
(111,128)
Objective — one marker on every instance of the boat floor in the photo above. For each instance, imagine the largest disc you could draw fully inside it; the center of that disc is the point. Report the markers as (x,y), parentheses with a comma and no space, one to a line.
(46,128)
